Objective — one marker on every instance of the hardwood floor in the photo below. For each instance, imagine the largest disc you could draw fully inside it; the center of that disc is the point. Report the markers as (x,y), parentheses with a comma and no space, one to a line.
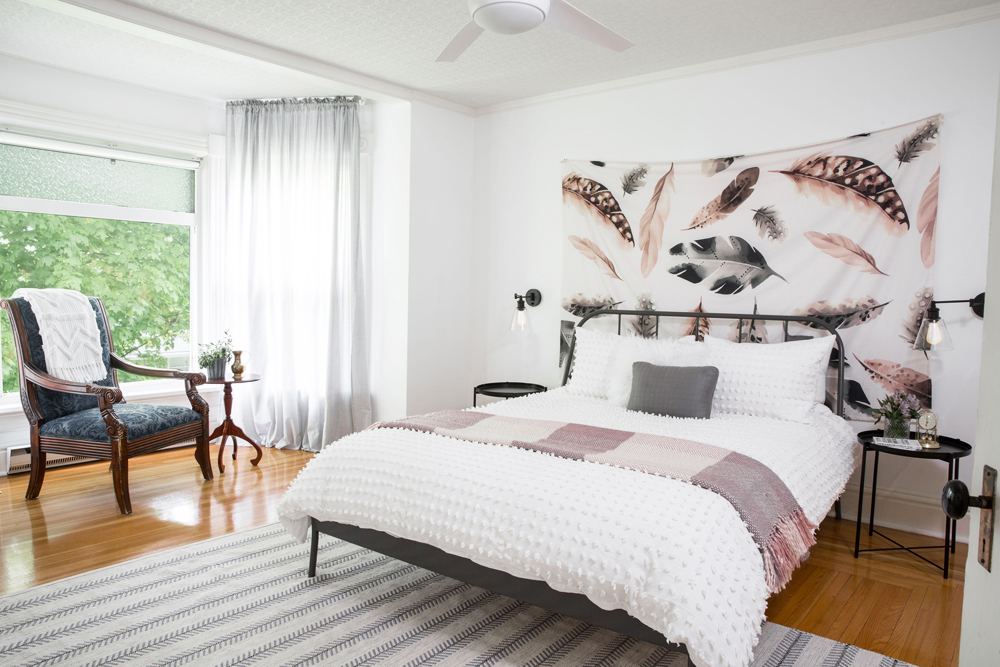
(889,602)
(885,602)
(74,526)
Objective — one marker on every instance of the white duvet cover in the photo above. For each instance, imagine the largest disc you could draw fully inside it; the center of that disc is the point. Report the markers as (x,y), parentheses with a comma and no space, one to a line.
(675,556)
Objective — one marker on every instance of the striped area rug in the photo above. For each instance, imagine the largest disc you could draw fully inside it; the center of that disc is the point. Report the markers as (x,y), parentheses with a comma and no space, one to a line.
(244,599)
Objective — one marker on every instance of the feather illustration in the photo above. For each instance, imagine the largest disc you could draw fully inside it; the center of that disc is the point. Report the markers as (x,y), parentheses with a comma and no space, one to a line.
(769,224)
(644,325)
(915,312)
(580,305)
(634,179)
(749,331)
(857,399)
(651,222)
(843,314)
(597,200)
(590,250)
(854,184)
(735,194)
(713,167)
(918,141)
(893,377)
(845,250)
(730,264)
(698,326)
(597,163)
(927,220)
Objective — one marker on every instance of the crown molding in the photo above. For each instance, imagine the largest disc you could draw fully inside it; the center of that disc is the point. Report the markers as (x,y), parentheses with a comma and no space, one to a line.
(911,29)
(82,128)
(167,30)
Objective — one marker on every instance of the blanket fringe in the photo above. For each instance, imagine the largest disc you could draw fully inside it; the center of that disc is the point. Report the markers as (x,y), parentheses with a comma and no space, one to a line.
(787,546)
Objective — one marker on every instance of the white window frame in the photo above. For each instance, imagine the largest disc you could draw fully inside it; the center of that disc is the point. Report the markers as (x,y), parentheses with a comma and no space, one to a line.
(11,401)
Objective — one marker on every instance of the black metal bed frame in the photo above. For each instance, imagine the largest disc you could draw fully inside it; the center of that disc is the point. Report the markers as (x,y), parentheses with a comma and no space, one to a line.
(532,591)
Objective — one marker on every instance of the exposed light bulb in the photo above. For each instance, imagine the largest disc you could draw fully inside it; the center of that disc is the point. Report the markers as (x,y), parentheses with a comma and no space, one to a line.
(934,335)
(520,321)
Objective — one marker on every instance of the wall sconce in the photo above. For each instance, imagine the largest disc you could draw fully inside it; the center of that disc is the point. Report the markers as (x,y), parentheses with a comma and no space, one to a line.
(933,333)
(520,321)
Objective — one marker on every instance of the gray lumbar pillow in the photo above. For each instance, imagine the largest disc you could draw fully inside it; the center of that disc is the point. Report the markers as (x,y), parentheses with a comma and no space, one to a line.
(674,391)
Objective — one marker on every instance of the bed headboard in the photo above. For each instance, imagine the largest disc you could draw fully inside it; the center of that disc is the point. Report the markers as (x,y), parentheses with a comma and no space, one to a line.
(741,318)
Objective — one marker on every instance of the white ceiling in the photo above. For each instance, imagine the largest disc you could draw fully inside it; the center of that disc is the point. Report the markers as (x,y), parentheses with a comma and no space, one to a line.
(396,41)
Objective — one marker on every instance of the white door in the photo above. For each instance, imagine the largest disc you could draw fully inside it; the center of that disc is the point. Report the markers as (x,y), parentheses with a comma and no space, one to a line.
(981,605)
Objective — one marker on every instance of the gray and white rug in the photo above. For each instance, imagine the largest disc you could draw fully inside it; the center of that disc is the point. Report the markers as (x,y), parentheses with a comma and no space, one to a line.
(244,599)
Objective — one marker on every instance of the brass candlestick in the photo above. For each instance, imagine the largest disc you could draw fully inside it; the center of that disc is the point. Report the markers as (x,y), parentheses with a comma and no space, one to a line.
(238,366)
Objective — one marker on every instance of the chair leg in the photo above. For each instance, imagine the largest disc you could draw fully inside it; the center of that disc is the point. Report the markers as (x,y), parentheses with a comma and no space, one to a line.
(203,456)
(119,474)
(37,469)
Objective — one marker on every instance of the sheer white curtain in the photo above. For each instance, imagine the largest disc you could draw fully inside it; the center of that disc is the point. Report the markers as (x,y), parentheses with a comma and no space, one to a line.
(296,262)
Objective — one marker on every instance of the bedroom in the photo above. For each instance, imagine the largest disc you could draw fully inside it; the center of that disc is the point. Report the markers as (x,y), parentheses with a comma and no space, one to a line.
(466,210)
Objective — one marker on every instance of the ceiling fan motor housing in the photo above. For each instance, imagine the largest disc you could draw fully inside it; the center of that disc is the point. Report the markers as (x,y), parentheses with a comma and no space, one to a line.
(509,17)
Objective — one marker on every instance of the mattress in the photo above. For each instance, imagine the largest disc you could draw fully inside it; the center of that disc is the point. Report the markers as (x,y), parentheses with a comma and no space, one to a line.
(675,556)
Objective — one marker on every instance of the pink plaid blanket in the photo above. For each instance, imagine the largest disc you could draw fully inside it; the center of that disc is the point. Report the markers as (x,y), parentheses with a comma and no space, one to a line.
(775,520)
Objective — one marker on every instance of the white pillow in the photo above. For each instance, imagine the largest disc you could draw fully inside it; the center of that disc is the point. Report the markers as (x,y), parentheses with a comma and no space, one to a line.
(768,380)
(592,357)
(630,349)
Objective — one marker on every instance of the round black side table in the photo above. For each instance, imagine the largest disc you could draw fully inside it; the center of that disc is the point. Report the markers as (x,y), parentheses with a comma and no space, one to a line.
(951,450)
(506,390)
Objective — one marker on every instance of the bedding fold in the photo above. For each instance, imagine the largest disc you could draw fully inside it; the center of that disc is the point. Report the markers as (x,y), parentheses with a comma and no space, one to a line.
(779,526)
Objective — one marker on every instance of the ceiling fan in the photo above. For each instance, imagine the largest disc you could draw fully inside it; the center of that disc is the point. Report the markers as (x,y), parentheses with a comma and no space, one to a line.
(510,17)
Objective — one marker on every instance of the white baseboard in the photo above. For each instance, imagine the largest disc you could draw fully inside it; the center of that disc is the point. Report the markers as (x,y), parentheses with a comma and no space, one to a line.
(901,510)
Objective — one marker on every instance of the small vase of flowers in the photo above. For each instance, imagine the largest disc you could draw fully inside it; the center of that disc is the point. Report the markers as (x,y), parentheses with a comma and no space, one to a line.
(897,409)
(213,356)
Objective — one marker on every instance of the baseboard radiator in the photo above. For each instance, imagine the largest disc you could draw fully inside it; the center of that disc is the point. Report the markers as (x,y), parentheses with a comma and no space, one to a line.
(18,459)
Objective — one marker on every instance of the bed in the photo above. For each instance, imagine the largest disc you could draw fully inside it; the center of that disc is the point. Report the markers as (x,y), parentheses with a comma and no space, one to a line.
(659,559)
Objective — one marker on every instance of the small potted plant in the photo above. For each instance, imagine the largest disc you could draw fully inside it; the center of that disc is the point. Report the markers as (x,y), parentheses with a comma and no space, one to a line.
(213,356)
(897,409)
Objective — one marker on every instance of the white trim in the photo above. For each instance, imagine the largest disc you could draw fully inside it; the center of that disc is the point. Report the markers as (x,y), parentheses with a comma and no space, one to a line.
(168,30)
(47,144)
(103,211)
(82,128)
(899,31)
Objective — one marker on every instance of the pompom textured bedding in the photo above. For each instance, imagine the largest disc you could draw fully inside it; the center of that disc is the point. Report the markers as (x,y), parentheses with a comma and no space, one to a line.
(675,556)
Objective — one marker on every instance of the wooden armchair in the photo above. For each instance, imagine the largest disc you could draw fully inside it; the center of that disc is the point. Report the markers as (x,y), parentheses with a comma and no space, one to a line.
(92,419)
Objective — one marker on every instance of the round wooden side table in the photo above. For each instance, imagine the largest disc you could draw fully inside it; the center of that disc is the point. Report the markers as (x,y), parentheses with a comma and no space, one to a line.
(506,390)
(228,429)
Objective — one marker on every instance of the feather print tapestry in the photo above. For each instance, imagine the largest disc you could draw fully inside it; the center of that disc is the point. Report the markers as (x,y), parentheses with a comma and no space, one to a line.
(842,231)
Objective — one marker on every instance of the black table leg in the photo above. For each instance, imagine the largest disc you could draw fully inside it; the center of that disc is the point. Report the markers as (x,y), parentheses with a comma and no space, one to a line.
(954,523)
(947,524)
(871,516)
(861,499)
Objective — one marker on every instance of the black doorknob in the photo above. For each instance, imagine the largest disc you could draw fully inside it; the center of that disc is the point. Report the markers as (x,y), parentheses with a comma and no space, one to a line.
(956,501)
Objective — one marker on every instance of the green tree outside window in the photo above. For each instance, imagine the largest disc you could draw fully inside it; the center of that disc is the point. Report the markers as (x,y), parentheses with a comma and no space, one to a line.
(140,270)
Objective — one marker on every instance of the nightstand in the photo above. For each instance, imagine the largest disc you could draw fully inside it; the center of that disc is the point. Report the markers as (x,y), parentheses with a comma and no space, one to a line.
(506,390)
(952,449)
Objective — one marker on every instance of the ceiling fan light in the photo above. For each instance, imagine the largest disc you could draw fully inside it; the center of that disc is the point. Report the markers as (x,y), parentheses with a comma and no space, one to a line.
(509,17)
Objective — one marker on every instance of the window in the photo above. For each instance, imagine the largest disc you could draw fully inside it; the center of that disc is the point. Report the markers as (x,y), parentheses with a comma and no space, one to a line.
(116,229)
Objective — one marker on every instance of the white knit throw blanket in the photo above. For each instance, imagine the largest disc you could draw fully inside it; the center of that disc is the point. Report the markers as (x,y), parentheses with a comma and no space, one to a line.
(70,337)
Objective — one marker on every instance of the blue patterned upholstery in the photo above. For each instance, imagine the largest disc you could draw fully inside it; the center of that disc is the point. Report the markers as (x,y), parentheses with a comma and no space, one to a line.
(141,419)
(78,417)
(55,404)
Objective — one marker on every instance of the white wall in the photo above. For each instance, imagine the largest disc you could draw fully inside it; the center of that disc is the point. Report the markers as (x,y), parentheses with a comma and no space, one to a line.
(110,100)
(444,351)
(754,109)
(390,258)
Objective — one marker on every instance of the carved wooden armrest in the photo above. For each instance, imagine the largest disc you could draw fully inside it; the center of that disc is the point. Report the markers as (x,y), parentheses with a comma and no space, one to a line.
(35,375)
(169,373)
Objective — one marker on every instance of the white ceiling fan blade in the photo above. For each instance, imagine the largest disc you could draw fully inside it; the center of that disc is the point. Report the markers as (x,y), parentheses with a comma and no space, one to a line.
(566,17)
(463,40)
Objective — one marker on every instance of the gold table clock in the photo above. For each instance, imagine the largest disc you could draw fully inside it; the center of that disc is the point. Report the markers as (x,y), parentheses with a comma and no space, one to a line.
(927,430)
